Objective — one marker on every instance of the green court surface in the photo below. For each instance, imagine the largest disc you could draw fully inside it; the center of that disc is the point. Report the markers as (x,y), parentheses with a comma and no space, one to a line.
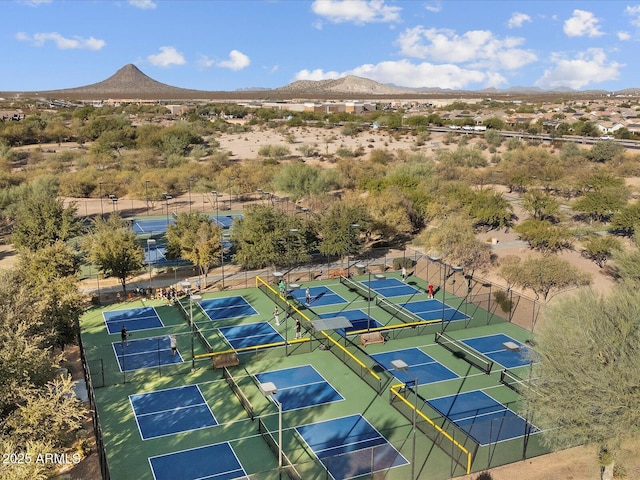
(445,448)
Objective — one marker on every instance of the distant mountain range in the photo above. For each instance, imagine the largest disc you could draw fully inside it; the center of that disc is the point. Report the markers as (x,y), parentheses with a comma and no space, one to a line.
(129,82)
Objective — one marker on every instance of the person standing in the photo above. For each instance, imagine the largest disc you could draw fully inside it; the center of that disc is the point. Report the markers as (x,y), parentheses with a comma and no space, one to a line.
(298,328)
(307,296)
(276,315)
(124,335)
(431,290)
(174,345)
(404,273)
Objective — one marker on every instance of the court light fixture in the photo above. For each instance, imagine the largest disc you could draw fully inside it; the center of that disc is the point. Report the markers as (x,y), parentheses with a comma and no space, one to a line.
(402,366)
(269,389)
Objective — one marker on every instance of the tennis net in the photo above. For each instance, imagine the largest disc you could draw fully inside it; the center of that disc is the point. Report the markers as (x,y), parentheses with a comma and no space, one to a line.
(287,466)
(515,383)
(460,350)
(235,388)
(397,312)
(194,328)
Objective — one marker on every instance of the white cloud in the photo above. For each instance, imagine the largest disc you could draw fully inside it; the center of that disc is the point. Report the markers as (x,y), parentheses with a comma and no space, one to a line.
(76,42)
(634,13)
(478,48)
(517,20)
(356,11)
(581,24)
(143,4)
(205,62)
(624,36)
(237,61)
(433,7)
(35,3)
(168,56)
(407,74)
(587,68)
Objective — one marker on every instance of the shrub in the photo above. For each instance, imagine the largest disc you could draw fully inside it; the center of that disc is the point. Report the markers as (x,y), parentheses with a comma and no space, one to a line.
(484,476)
(400,262)
(503,300)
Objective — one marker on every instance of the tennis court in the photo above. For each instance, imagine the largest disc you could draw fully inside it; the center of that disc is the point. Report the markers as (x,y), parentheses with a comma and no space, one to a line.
(251,335)
(145,353)
(169,411)
(217,461)
(359,321)
(149,225)
(495,347)
(134,319)
(228,307)
(390,287)
(300,387)
(350,447)
(484,419)
(422,368)
(155,254)
(225,221)
(433,309)
(320,296)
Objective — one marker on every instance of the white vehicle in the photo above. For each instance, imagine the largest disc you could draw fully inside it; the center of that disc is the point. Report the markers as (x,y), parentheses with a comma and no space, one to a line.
(607,137)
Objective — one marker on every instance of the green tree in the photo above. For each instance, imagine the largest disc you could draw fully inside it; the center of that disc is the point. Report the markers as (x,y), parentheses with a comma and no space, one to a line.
(548,274)
(602,203)
(544,236)
(196,238)
(41,219)
(112,246)
(540,205)
(627,262)
(626,220)
(489,210)
(266,236)
(588,371)
(341,227)
(599,249)
(605,151)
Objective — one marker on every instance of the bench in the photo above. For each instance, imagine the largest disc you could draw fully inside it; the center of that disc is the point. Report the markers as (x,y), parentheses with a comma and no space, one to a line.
(373,337)
(225,360)
(338,273)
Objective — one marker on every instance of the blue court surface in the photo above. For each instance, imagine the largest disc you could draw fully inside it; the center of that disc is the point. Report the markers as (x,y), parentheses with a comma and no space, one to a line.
(320,296)
(358,319)
(432,310)
(217,462)
(158,226)
(422,367)
(225,221)
(483,418)
(251,335)
(391,287)
(350,447)
(145,353)
(142,318)
(300,387)
(170,411)
(229,307)
(492,346)
(155,255)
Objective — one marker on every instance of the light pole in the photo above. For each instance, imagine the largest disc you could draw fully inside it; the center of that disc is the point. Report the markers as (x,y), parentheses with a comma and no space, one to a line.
(100,193)
(223,236)
(352,227)
(114,201)
(363,266)
(189,188)
(269,389)
(150,241)
(293,231)
(231,179)
(192,298)
(402,366)
(146,194)
(167,197)
(216,195)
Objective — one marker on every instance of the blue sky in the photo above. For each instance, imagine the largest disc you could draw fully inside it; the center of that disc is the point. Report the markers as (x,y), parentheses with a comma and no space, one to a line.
(229,45)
